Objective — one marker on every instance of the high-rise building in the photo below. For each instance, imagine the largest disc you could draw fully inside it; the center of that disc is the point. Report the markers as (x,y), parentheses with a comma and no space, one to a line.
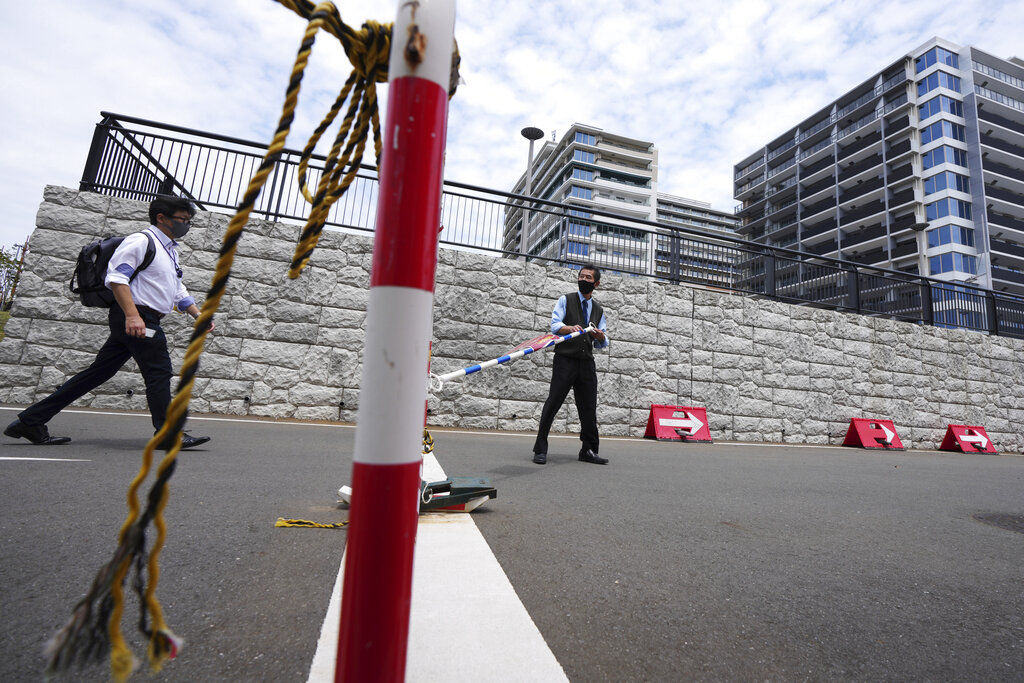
(591,170)
(920,169)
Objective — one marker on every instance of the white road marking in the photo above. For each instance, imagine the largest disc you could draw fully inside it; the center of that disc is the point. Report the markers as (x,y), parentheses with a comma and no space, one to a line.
(4,457)
(465,612)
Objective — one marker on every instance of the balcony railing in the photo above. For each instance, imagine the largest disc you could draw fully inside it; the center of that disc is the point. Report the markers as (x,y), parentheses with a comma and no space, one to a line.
(139,159)
(860,167)
(1005,221)
(895,80)
(772,172)
(1002,169)
(819,126)
(782,149)
(993,141)
(858,103)
(996,73)
(1007,247)
(1004,195)
(985,114)
(1000,98)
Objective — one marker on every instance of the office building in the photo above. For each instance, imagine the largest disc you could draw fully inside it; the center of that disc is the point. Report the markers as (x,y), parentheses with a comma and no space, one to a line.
(591,170)
(920,169)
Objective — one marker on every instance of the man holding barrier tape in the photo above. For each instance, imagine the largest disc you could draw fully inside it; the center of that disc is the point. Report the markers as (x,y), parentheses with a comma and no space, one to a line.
(573,366)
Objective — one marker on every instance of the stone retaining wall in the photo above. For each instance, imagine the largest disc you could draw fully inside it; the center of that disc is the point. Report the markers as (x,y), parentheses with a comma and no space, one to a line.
(765,371)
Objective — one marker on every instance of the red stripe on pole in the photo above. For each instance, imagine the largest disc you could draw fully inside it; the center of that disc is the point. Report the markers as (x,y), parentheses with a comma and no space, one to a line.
(378,573)
(408,208)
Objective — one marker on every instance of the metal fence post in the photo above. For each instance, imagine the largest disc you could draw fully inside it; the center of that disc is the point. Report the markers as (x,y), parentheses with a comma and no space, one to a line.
(769,274)
(92,162)
(675,255)
(927,309)
(853,288)
(990,310)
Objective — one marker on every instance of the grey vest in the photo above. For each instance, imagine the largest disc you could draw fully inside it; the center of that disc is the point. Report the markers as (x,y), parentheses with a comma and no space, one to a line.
(583,345)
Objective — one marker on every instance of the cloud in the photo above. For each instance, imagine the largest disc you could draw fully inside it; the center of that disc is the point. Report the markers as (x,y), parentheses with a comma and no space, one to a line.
(707,83)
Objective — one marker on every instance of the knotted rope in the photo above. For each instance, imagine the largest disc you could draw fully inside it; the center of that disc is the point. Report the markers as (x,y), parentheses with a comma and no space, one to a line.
(95,624)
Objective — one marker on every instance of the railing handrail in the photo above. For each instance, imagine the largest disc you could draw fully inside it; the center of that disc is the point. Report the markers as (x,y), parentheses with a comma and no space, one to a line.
(504,201)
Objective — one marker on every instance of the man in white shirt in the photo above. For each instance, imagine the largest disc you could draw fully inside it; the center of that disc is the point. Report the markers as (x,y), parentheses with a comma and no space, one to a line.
(134,322)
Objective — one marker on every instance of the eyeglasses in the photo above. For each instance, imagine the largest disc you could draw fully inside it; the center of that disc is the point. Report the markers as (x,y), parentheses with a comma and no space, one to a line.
(186,220)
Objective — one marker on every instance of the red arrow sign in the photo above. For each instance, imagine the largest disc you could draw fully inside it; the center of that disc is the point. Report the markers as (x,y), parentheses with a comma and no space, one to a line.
(967,439)
(872,433)
(677,423)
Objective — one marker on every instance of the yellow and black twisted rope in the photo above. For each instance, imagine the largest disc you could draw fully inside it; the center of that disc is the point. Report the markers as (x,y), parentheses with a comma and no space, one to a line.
(281,521)
(370,67)
(95,624)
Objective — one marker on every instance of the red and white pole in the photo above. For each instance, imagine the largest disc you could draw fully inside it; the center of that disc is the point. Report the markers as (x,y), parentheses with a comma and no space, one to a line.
(377,590)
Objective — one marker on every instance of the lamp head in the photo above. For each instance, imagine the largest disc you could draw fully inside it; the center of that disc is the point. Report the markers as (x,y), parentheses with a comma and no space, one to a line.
(531,133)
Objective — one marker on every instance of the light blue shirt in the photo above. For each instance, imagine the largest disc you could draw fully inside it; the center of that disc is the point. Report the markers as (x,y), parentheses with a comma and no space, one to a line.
(558,316)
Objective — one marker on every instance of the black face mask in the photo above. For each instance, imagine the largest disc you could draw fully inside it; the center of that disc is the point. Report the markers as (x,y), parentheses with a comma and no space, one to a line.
(179,229)
(586,287)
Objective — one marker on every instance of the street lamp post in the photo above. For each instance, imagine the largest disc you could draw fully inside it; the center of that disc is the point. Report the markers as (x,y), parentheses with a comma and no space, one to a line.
(922,247)
(532,134)
(927,305)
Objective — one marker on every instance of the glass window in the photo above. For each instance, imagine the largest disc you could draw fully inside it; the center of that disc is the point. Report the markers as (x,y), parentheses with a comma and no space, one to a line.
(578,249)
(948,234)
(944,155)
(948,207)
(579,229)
(585,157)
(953,261)
(580,192)
(939,104)
(941,129)
(947,180)
(580,214)
(582,174)
(937,55)
(586,138)
(938,79)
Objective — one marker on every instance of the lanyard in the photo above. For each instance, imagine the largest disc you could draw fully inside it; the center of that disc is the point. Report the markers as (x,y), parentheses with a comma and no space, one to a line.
(174,259)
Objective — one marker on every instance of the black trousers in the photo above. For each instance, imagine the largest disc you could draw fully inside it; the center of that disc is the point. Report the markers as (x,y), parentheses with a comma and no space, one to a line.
(580,375)
(150,353)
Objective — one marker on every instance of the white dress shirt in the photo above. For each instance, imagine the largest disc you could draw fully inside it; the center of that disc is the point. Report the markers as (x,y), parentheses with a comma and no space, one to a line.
(558,315)
(159,286)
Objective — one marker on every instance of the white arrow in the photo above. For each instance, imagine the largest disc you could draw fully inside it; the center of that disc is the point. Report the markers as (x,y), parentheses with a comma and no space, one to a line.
(977,438)
(888,434)
(692,424)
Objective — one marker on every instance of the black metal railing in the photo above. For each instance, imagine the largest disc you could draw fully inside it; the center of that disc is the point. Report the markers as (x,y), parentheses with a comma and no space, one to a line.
(138,159)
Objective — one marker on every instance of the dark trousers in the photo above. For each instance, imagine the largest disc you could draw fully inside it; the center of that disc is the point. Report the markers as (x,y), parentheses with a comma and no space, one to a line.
(580,375)
(150,353)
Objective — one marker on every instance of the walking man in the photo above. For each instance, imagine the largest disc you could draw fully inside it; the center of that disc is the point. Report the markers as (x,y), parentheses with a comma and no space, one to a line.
(573,366)
(134,322)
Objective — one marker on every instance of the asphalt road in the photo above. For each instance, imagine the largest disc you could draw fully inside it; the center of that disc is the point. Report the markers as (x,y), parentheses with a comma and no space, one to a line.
(675,562)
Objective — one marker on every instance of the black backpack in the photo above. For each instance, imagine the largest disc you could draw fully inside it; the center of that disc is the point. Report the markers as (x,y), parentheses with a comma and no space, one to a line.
(91,270)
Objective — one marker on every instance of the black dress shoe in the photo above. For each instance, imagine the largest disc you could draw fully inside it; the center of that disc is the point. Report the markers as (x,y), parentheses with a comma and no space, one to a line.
(587,455)
(37,434)
(187,441)
(540,458)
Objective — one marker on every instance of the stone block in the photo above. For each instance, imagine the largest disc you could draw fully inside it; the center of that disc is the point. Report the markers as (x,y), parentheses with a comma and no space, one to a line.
(69,219)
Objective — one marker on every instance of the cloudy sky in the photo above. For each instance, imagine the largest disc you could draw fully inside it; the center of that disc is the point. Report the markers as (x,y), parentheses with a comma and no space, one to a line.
(707,82)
